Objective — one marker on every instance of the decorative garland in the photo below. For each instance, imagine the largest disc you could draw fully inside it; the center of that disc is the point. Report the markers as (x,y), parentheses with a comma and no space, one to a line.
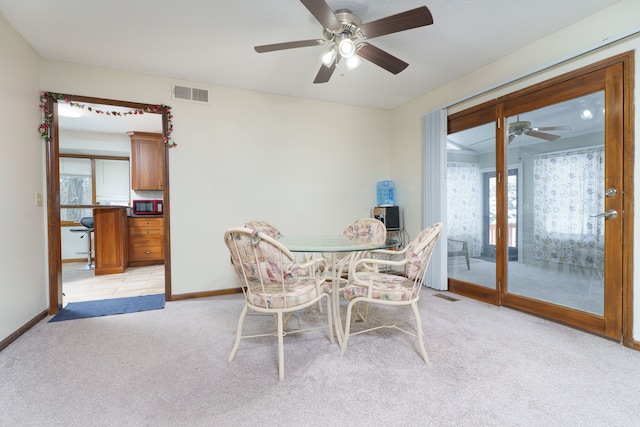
(48,115)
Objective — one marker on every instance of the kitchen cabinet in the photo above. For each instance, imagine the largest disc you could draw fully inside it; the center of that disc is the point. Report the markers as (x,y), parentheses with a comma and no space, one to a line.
(147,161)
(146,241)
(110,240)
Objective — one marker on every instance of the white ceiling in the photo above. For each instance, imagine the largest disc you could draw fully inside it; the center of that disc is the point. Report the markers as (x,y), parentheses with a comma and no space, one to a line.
(211,41)
(92,121)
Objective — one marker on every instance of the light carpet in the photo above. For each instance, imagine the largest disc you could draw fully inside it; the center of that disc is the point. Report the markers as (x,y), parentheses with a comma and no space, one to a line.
(490,366)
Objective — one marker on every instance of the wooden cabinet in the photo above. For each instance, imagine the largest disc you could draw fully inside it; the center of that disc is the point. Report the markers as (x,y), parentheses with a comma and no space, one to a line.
(147,161)
(110,241)
(146,241)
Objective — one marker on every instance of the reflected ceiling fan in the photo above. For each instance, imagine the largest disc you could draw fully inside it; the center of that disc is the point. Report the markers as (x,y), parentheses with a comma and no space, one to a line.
(518,128)
(345,33)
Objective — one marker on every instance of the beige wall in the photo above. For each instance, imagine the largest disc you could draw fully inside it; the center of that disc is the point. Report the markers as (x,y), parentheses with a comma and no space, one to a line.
(23,286)
(581,37)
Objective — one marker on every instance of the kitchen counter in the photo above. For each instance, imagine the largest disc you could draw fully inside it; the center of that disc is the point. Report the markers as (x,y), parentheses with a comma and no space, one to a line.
(111,249)
(132,215)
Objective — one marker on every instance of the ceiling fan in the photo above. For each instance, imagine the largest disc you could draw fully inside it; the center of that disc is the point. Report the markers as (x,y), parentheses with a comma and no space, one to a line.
(518,128)
(345,33)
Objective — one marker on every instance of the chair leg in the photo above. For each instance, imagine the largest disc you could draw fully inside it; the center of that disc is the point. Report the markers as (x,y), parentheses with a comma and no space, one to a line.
(238,333)
(362,315)
(347,326)
(285,319)
(329,317)
(465,248)
(280,347)
(419,333)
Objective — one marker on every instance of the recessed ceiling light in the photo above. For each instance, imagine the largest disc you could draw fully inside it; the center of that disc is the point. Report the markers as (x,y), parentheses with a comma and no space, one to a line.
(586,114)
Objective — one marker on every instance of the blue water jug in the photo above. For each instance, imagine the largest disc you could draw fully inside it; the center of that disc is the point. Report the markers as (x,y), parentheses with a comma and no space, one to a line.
(386,193)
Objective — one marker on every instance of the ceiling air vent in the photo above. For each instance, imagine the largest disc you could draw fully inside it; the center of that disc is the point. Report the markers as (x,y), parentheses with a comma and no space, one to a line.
(186,93)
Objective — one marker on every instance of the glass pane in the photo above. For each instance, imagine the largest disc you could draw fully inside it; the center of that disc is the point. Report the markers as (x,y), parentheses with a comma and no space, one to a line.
(112,182)
(75,187)
(74,214)
(560,150)
(471,205)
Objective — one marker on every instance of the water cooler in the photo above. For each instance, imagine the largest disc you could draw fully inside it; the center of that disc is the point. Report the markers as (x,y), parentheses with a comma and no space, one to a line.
(390,215)
(387,211)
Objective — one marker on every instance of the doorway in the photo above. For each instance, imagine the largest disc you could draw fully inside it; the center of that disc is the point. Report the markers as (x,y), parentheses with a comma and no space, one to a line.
(489,224)
(536,191)
(110,108)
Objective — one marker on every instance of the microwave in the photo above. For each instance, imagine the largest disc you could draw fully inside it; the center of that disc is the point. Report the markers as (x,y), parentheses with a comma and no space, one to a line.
(147,207)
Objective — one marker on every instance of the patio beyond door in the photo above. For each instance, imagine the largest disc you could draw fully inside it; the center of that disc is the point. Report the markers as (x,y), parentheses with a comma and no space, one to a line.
(535,201)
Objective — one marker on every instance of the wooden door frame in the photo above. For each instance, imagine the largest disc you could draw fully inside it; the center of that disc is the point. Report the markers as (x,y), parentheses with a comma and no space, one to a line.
(52,164)
(482,114)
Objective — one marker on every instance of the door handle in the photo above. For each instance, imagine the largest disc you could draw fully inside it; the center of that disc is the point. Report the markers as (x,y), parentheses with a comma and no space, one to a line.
(609,213)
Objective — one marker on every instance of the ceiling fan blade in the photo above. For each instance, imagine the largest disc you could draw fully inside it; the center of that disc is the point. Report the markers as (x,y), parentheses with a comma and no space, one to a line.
(484,140)
(413,18)
(512,137)
(458,147)
(323,13)
(553,128)
(288,45)
(325,73)
(542,135)
(381,58)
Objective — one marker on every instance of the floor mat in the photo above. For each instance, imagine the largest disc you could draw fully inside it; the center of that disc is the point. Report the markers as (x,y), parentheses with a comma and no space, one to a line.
(107,307)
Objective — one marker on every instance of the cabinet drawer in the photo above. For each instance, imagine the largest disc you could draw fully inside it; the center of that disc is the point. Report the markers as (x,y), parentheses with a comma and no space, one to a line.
(146,240)
(146,222)
(146,248)
(146,252)
(146,231)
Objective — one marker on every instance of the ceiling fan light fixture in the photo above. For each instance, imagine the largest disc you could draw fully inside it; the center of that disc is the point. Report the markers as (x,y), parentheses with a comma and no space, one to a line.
(329,56)
(353,62)
(346,47)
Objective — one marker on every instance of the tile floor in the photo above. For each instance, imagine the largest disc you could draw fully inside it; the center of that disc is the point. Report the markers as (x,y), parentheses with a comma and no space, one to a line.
(84,285)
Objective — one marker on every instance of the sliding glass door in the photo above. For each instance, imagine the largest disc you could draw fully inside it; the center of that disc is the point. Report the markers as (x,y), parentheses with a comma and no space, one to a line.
(535,200)
(564,234)
(471,208)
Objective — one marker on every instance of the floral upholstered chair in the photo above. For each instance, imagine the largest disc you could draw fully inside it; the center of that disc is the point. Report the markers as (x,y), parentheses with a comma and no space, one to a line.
(366,230)
(271,283)
(273,232)
(361,231)
(373,287)
(264,227)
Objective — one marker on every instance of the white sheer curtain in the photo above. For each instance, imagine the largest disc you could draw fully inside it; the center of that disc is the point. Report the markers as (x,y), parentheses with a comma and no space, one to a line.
(567,192)
(435,194)
(464,201)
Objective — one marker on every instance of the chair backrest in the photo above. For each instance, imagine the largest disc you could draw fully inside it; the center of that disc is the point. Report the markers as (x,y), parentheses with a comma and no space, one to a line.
(264,227)
(87,221)
(366,230)
(419,251)
(260,259)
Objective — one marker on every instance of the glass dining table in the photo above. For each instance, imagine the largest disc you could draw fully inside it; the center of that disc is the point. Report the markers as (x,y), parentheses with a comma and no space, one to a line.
(334,246)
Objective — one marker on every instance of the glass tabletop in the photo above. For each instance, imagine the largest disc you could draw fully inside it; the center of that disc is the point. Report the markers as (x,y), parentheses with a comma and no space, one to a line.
(331,244)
